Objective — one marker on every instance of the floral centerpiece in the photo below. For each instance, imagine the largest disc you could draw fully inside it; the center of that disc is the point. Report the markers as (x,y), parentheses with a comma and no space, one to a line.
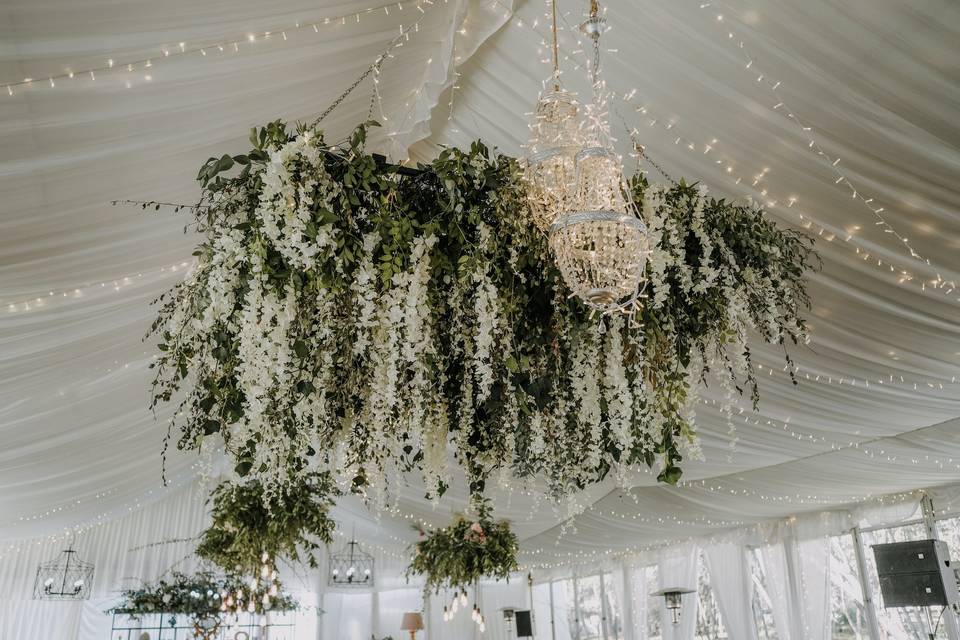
(352,317)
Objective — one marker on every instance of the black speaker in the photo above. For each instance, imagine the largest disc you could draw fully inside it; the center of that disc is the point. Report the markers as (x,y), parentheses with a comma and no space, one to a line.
(915,574)
(913,590)
(906,557)
(524,624)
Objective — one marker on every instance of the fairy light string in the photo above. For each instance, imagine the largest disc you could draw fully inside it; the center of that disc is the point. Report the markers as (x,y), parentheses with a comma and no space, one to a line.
(823,230)
(232,45)
(783,106)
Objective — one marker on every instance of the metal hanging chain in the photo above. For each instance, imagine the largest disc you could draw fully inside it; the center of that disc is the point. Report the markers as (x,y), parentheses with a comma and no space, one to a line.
(641,151)
(556,48)
(373,68)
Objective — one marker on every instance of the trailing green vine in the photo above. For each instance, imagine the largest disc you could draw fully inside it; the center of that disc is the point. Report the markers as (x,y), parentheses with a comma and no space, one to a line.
(350,317)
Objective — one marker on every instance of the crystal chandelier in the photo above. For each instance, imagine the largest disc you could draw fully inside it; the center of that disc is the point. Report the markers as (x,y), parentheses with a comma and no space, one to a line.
(351,567)
(600,241)
(64,578)
(549,170)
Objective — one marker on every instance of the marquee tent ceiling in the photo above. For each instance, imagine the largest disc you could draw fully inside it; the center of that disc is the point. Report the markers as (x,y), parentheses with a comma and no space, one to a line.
(877,82)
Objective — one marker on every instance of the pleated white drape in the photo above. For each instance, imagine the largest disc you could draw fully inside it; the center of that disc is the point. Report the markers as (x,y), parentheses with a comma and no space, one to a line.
(798,577)
(731,583)
(637,603)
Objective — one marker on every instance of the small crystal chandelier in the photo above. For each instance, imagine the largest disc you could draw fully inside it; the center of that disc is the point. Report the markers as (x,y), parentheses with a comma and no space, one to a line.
(549,170)
(351,567)
(64,578)
(600,242)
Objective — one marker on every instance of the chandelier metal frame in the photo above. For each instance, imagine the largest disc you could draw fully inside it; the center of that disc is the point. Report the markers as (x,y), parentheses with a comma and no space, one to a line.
(351,567)
(66,577)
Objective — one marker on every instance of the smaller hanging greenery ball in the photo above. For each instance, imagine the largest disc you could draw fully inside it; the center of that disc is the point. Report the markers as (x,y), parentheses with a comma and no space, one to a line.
(458,555)
(251,527)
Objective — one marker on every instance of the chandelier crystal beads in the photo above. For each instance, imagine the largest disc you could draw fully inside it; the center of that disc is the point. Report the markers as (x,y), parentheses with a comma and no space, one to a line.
(555,138)
(550,168)
(600,241)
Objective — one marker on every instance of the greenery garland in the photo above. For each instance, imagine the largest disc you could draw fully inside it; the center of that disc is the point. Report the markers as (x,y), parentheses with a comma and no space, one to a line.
(456,556)
(357,318)
(199,596)
(250,529)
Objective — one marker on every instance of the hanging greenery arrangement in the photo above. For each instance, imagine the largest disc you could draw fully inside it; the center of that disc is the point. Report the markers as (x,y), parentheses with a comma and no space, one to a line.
(250,530)
(457,556)
(352,317)
(200,596)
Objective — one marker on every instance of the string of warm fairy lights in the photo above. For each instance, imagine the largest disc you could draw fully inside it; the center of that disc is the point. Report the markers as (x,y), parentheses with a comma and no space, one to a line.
(67,506)
(823,230)
(54,297)
(93,522)
(813,144)
(789,206)
(887,380)
(568,558)
(211,50)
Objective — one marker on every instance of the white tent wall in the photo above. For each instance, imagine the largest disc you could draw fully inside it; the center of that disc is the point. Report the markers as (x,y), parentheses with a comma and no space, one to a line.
(157,537)
(120,560)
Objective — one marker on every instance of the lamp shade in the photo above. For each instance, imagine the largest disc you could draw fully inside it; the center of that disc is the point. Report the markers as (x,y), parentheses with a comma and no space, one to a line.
(412,621)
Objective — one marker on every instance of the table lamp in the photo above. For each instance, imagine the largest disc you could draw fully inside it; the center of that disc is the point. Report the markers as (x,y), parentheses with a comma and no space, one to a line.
(412,622)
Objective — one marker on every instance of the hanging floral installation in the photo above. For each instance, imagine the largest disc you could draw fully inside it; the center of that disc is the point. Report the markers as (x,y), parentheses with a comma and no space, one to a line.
(457,556)
(350,317)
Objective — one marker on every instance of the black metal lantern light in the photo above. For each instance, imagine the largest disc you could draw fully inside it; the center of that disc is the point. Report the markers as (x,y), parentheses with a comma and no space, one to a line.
(65,578)
(351,567)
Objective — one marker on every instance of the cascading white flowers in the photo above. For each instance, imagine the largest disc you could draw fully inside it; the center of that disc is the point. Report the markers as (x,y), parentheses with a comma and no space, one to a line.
(357,319)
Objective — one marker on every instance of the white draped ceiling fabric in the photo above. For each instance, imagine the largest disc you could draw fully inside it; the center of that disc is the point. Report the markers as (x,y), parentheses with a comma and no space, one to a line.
(841,116)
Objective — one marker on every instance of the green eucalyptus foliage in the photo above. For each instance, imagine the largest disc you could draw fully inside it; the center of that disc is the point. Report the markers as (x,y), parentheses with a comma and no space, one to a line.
(471,205)
(198,596)
(457,556)
(246,524)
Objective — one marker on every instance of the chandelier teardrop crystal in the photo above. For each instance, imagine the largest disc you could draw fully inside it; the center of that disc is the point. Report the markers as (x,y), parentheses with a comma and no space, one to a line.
(600,241)
(550,166)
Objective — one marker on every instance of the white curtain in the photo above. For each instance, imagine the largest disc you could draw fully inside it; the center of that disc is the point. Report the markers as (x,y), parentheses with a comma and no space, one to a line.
(638,601)
(678,568)
(563,610)
(619,577)
(729,571)
(542,614)
(797,561)
(814,585)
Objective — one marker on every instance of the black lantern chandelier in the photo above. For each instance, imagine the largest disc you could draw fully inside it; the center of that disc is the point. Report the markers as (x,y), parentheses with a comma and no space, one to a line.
(351,567)
(65,578)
